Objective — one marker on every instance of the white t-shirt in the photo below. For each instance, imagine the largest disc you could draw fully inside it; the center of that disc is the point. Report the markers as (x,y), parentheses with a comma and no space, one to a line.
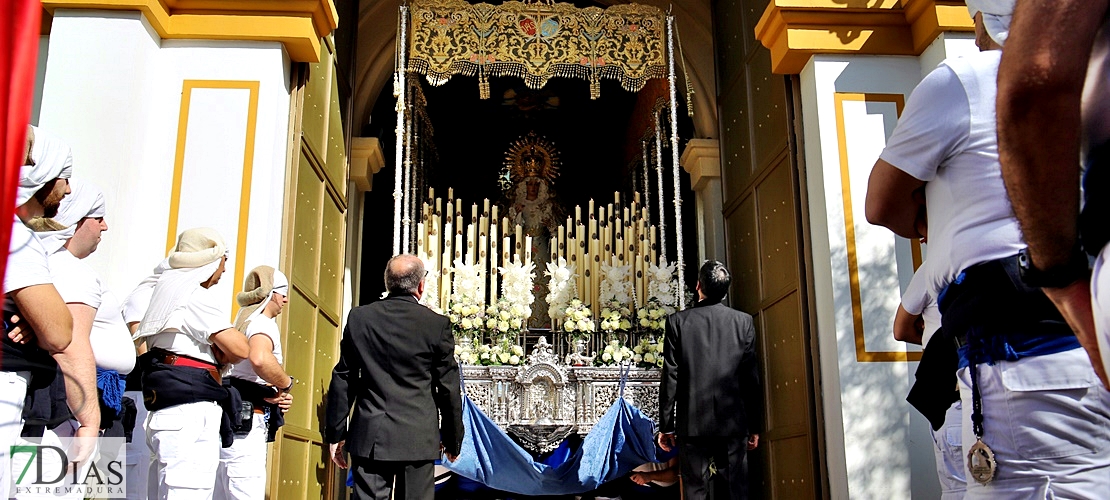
(946,137)
(260,325)
(188,328)
(27,263)
(917,301)
(78,283)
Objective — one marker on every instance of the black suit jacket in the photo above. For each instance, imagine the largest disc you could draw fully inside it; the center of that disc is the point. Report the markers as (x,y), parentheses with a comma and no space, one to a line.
(396,367)
(710,383)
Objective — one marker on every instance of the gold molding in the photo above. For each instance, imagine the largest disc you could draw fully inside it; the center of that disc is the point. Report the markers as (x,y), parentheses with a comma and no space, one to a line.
(862,354)
(297,24)
(795,30)
(248,169)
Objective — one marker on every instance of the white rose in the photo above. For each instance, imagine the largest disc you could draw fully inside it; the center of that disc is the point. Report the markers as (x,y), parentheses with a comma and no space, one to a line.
(467,324)
(576,302)
(453,318)
(637,358)
(502,326)
(514,360)
(518,323)
(456,307)
(625,324)
(583,325)
(491,323)
(485,356)
(504,357)
(606,357)
(618,356)
(519,351)
(568,326)
(649,358)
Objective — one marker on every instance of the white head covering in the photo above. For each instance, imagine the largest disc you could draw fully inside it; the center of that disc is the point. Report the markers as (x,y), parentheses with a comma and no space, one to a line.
(997,15)
(258,291)
(194,260)
(134,308)
(53,160)
(84,200)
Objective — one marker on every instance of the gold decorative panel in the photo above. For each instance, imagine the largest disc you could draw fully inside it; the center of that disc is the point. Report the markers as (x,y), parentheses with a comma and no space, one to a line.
(537,41)
(789,478)
(786,377)
(736,154)
(316,103)
(292,473)
(768,102)
(331,257)
(300,328)
(306,225)
(778,245)
(743,245)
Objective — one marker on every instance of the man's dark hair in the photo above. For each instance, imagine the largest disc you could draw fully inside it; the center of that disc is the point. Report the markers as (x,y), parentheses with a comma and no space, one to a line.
(714,279)
(403,274)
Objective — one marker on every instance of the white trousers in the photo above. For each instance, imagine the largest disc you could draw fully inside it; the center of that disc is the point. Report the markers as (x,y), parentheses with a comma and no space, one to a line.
(185,450)
(138,453)
(13,390)
(949,451)
(53,437)
(242,471)
(1047,419)
(1100,303)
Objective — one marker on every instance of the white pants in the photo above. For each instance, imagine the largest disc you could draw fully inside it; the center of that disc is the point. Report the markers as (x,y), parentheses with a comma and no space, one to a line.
(185,450)
(1100,303)
(13,390)
(138,453)
(1047,419)
(949,451)
(242,472)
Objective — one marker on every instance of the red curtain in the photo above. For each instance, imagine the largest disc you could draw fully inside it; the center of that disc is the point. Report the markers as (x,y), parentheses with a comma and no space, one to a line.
(19,45)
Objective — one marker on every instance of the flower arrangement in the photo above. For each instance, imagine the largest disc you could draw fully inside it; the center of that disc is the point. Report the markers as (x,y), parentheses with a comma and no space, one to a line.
(430,299)
(662,286)
(516,292)
(616,284)
(466,354)
(648,354)
(615,316)
(577,319)
(561,289)
(652,317)
(467,311)
(505,317)
(613,354)
(504,352)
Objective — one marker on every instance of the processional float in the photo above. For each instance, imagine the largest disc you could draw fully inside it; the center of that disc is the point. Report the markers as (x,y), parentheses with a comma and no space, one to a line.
(602,273)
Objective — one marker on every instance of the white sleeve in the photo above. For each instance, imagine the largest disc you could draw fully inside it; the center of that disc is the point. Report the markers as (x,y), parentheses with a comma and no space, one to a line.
(267,328)
(27,264)
(916,297)
(935,121)
(134,308)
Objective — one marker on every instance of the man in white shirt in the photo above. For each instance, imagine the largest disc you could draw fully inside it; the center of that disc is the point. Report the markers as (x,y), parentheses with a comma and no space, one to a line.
(189,337)
(261,382)
(29,295)
(1034,411)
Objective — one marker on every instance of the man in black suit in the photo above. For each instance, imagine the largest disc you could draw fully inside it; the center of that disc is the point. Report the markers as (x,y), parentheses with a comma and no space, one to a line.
(396,367)
(710,373)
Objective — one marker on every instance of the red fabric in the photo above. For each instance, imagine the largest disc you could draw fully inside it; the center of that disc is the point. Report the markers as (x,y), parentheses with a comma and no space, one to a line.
(19,32)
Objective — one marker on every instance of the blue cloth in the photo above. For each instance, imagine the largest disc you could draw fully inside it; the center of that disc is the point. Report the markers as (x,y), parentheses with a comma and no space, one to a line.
(111,385)
(620,441)
(1012,347)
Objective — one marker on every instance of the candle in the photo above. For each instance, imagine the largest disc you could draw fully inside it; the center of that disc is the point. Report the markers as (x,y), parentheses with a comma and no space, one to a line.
(519,241)
(562,248)
(527,249)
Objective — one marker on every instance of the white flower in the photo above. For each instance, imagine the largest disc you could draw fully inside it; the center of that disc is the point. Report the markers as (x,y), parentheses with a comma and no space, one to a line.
(625,324)
(618,356)
(606,357)
(502,326)
(504,357)
(514,360)
(569,326)
(637,358)
(518,323)
(466,324)
(575,302)
(485,356)
(453,318)
(584,325)
(649,358)
(519,351)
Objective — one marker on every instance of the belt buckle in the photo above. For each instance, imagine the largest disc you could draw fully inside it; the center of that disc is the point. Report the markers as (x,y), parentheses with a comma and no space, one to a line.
(171,359)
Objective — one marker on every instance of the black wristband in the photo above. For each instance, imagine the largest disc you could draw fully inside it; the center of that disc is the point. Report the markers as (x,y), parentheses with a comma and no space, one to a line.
(1077,267)
(291,382)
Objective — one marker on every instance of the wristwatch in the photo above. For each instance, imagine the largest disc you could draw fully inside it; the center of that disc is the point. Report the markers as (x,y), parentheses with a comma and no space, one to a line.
(291,382)
(1076,268)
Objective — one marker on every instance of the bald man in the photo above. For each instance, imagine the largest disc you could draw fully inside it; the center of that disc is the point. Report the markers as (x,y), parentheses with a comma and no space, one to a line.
(397,368)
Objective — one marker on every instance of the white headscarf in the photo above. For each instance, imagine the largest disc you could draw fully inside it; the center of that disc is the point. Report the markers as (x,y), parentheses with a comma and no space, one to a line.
(84,200)
(997,15)
(53,160)
(280,285)
(134,308)
(194,260)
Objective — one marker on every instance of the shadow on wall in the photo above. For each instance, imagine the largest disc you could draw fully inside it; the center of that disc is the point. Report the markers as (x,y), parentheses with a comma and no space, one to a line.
(886,440)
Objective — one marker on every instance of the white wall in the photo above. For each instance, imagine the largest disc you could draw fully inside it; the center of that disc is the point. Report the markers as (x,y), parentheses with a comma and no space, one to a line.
(114,91)
(878,446)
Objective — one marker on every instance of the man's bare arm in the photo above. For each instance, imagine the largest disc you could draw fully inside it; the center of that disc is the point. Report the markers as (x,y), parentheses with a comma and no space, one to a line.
(894,200)
(45,312)
(264,362)
(1040,84)
(232,343)
(79,367)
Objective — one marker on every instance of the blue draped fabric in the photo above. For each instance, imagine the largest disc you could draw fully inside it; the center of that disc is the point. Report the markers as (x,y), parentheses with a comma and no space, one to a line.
(620,441)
